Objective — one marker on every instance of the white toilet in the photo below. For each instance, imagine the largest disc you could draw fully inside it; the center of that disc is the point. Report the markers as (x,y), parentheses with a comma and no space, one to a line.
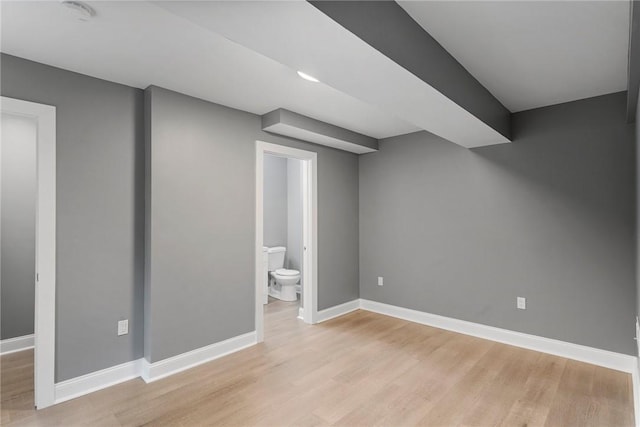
(285,280)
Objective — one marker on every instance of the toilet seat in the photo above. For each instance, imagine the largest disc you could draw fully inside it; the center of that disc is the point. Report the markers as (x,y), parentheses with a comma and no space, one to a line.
(286,272)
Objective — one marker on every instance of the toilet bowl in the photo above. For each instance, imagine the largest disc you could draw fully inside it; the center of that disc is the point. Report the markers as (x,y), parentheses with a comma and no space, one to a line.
(287,281)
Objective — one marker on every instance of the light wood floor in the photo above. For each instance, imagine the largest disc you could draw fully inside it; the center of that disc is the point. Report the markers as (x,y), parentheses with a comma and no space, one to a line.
(359,369)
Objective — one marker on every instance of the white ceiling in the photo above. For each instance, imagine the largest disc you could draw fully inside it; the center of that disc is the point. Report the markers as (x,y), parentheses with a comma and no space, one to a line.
(139,44)
(531,54)
(245,54)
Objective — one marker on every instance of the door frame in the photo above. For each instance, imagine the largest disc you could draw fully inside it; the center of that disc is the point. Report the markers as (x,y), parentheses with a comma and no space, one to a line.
(310,230)
(45,268)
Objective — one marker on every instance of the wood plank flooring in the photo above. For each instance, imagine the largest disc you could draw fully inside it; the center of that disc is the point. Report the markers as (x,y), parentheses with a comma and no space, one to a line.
(361,369)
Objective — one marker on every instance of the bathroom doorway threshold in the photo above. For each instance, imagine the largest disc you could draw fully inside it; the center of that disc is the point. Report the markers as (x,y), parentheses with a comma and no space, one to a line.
(309,161)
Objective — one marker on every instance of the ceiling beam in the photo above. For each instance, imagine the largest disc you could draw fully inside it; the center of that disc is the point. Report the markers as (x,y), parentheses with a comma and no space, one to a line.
(288,123)
(388,28)
(301,37)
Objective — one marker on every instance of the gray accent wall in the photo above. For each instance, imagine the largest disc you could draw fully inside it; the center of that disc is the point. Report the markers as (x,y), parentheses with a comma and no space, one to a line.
(100,212)
(462,233)
(18,227)
(201,235)
(275,201)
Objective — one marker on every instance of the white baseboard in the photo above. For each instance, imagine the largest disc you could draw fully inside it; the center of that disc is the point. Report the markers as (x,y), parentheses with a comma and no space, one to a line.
(163,368)
(104,378)
(79,386)
(338,310)
(595,356)
(12,345)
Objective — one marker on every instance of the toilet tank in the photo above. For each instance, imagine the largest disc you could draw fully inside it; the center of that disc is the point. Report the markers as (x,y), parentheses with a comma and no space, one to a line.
(276,257)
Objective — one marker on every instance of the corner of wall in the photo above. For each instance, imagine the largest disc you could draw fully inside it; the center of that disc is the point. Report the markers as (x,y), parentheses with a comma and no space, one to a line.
(147,223)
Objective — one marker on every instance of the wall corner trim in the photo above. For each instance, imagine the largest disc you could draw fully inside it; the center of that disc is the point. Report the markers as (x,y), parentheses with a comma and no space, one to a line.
(595,356)
(338,310)
(94,381)
(154,371)
(13,345)
(635,384)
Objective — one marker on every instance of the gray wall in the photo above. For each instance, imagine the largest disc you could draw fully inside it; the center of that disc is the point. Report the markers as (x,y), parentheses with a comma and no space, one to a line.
(549,217)
(275,201)
(200,243)
(100,212)
(294,215)
(18,228)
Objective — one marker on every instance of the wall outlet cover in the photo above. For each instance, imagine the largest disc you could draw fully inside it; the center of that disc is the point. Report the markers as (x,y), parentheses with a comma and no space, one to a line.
(380,281)
(123,327)
(521,303)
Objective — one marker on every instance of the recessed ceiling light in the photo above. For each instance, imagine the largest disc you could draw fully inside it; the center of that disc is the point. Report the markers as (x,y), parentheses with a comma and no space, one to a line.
(308,77)
(82,11)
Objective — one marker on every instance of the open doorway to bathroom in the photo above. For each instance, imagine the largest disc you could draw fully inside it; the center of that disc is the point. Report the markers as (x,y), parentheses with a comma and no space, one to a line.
(286,230)
(282,235)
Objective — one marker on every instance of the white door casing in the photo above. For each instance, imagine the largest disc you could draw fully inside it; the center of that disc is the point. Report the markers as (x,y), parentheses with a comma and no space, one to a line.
(45,268)
(310,230)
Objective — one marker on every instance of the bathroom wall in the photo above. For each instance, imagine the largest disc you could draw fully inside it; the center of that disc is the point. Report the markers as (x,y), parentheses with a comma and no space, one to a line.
(294,215)
(100,212)
(549,217)
(199,280)
(283,207)
(18,227)
(275,201)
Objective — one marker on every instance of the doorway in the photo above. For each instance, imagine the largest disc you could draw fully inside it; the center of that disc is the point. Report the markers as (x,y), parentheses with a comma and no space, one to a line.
(308,176)
(17,115)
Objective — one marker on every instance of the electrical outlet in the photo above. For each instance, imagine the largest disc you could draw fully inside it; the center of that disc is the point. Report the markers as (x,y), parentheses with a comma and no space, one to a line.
(521,303)
(380,281)
(123,327)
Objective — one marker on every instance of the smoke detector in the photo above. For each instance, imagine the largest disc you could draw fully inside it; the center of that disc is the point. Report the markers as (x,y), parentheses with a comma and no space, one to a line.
(82,11)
